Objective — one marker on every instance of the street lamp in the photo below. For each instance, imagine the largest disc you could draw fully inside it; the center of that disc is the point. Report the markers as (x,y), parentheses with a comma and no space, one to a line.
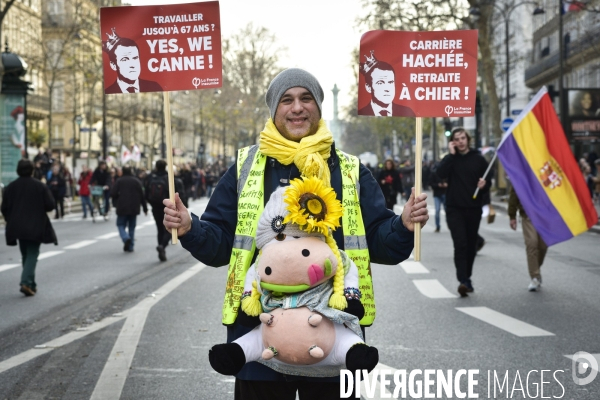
(506,11)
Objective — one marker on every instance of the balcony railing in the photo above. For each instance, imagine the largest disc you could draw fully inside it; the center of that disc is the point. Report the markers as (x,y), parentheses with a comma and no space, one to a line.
(38,102)
(586,42)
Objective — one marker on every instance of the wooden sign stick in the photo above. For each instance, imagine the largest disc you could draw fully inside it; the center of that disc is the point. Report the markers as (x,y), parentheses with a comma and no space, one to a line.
(167,108)
(418,180)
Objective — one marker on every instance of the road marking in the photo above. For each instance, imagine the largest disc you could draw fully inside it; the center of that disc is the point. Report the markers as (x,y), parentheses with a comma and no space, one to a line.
(51,345)
(108,235)
(113,376)
(413,267)
(79,245)
(377,391)
(49,254)
(70,337)
(504,322)
(148,223)
(433,289)
(5,267)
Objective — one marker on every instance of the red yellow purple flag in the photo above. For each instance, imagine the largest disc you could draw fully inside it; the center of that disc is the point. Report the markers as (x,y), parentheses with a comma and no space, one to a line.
(539,162)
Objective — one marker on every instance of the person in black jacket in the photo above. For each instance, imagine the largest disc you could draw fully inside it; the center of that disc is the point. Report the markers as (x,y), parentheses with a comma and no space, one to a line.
(463,168)
(438,185)
(128,195)
(390,183)
(101,177)
(58,187)
(24,206)
(156,188)
(294,140)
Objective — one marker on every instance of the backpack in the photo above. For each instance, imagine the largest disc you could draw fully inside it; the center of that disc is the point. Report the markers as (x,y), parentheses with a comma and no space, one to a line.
(158,189)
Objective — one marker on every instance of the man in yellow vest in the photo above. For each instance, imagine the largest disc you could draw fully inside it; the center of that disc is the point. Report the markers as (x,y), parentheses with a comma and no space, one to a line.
(295,142)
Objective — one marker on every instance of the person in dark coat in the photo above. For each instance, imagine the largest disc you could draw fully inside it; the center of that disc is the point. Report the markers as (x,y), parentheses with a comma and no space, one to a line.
(58,187)
(390,183)
(128,196)
(156,189)
(25,205)
(101,177)
(439,186)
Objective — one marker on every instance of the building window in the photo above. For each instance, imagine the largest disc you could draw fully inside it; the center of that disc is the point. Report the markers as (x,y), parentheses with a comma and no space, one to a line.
(58,97)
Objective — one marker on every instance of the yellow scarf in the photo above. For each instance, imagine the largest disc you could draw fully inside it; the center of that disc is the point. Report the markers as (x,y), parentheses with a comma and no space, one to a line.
(310,154)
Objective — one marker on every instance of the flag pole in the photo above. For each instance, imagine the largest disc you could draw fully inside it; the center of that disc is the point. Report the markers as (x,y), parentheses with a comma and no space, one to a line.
(487,171)
(418,180)
(167,108)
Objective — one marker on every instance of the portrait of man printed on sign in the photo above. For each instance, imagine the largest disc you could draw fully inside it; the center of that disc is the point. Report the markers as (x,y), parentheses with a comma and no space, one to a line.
(381,84)
(124,56)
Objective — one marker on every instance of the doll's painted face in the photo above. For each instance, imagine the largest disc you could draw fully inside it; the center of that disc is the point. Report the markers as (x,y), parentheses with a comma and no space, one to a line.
(295,265)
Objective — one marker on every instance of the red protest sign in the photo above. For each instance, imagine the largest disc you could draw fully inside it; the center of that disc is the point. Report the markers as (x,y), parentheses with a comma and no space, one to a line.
(418,74)
(161,48)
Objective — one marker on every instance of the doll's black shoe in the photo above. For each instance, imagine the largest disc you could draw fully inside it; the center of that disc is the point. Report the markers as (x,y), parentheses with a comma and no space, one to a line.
(360,356)
(227,359)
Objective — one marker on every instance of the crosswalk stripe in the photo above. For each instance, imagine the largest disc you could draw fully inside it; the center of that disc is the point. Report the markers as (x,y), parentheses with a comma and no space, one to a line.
(5,267)
(413,267)
(378,392)
(79,245)
(49,254)
(504,322)
(433,289)
(108,235)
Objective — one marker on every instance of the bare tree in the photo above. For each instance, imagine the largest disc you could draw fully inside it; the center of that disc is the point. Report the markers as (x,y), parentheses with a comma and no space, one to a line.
(250,60)
(3,12)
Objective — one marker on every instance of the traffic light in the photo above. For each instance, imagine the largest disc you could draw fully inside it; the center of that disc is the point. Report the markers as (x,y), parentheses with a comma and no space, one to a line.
(447,127)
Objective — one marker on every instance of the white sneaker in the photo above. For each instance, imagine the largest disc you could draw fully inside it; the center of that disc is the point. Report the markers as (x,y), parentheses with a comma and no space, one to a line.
(535,285)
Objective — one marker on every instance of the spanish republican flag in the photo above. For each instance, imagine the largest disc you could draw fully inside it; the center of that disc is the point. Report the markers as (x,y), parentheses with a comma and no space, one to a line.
(539,162)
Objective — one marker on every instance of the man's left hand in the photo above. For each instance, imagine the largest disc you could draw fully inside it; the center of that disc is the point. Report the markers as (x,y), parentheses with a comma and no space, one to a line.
(415,210)
(481,183)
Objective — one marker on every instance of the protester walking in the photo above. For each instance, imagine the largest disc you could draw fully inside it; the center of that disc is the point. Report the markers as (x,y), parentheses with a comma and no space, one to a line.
(156,190)
(58,187)
(407,172)
(535,247)
(85,178)
(463,167)
(25,204)
(101,177)
(128,196)
(390,183)
(294,142)
(439,186)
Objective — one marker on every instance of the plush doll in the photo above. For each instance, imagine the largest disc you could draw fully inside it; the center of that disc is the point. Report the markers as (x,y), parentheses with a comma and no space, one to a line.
(303,289)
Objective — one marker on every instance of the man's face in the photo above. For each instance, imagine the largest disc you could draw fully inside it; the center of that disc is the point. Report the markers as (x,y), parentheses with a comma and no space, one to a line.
(461,142)
(127,63)
(383,88)
(297,114)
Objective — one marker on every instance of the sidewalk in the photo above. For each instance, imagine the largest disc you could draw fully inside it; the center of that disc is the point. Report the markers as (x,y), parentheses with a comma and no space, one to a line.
(501,203)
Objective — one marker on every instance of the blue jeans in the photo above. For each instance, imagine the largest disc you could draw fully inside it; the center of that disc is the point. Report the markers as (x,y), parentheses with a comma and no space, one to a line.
(124,221)
(439,202)
(85,201)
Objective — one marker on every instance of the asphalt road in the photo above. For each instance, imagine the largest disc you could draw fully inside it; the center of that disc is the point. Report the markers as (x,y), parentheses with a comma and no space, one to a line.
(112,325)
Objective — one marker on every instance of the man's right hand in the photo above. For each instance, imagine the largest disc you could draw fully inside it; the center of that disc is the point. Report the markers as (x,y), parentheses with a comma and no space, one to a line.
(452,147)
(513,224)
(177,216)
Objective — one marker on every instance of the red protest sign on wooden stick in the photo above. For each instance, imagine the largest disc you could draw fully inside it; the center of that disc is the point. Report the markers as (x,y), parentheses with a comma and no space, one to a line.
(418,74)
(161,49)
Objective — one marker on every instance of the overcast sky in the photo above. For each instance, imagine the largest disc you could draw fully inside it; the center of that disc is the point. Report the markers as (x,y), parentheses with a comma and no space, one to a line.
(319,35)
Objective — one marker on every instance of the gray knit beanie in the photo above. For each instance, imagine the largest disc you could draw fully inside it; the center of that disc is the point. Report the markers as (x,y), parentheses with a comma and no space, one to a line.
(289,78)
(270,224)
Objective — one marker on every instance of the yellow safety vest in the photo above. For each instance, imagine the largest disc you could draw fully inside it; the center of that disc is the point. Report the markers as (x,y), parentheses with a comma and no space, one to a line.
(250,185)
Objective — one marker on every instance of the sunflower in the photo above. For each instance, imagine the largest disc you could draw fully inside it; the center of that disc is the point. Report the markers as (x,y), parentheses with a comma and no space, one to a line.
(312,206)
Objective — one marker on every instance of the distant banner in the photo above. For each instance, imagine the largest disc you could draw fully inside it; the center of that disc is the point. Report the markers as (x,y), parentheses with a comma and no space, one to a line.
(12,135)
(161,48)
(584,114)
(418,74)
